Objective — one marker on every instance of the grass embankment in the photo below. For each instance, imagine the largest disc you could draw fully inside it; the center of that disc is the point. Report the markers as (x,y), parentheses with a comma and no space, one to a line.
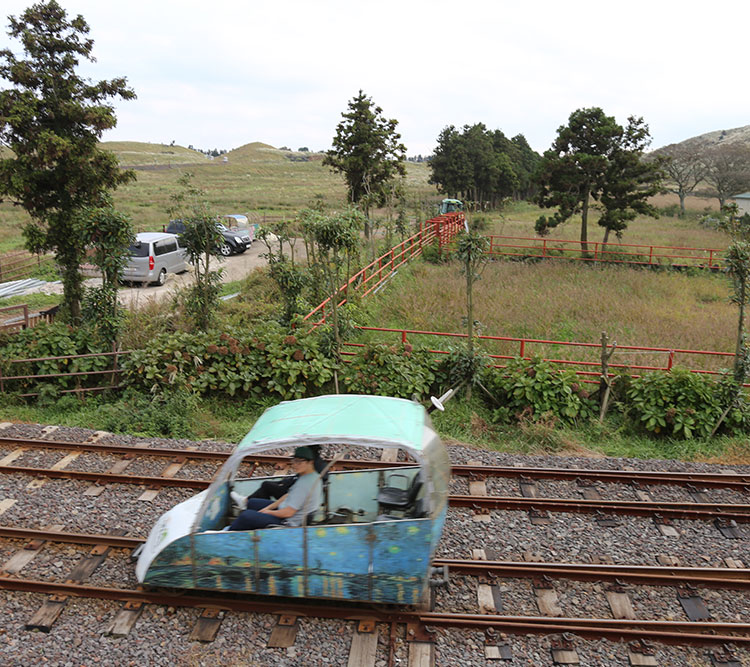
(568,301)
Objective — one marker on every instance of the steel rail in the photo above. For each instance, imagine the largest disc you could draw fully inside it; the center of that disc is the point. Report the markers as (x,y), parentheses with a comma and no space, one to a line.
(713,577)
(656,509)
(736,481)
(672,510)
(666,631)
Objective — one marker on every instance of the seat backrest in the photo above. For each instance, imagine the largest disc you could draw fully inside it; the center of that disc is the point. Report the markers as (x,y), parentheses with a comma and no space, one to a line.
(416,485)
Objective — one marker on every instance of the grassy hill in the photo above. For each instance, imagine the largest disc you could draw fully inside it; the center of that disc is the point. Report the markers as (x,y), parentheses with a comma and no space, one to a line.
(135,153)
(256,179)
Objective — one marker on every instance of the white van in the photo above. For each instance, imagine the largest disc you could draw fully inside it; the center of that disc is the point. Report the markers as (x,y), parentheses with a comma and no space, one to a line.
(152,256)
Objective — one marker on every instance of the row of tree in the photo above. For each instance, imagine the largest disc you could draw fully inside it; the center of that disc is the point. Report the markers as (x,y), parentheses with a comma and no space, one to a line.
(723,167)
(483,166)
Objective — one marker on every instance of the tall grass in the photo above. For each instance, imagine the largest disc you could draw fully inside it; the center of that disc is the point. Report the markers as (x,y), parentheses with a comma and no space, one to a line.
(568,301)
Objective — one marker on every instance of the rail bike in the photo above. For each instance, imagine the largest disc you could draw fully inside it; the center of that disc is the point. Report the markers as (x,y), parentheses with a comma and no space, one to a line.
(372,538)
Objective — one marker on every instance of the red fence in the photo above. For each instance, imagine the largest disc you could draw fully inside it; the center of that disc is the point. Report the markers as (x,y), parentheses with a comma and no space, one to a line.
(615,253)
(441,230)
(578,356)
(21,264)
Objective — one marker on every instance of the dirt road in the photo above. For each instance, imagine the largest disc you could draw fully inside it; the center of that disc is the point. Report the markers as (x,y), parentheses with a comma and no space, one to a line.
(234,268)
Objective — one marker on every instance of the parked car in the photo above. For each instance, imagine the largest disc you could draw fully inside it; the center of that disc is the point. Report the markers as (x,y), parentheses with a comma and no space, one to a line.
(152,256)
(236,241)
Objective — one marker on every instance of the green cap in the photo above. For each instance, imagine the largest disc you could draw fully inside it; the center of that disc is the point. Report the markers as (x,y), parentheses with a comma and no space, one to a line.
(304,453)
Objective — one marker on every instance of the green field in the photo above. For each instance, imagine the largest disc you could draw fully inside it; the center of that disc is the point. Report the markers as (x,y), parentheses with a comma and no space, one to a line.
(256,180)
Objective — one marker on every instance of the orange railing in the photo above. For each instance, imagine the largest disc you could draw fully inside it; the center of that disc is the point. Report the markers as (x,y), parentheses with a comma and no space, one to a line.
(506,348)
(441,230)
(615,253)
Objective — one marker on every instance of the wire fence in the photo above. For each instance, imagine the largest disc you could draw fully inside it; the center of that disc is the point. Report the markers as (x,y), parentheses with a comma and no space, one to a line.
(21,264)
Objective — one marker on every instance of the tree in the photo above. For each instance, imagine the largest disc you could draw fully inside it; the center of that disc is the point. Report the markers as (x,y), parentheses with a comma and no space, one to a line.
(201,240)
(51,118)
(594,158)
(367,150)
(480,166)
(684,170)
(630,181)
(107,235)
(727,170)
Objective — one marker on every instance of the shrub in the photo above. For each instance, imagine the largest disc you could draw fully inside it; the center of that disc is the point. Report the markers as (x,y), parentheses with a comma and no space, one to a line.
(532,390)
(52,340)
(251,363)
(682,404)
(390,370)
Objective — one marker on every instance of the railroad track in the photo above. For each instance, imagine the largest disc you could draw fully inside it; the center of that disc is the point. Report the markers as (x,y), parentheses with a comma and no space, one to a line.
(739,482)
(726,512)
(418,621)
(483,575)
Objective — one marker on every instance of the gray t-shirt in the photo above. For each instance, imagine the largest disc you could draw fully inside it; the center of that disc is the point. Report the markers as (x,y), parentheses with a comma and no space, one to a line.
(302,498)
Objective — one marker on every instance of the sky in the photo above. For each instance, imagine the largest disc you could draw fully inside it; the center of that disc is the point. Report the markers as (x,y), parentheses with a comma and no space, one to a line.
(225,73)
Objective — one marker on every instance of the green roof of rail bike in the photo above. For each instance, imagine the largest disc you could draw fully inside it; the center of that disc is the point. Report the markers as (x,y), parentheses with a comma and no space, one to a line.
(349,417)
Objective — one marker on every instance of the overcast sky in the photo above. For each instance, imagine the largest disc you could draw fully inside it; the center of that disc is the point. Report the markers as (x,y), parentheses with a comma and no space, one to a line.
(221,74)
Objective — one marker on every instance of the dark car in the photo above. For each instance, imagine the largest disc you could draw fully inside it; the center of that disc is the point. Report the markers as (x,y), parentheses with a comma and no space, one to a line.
(235,241)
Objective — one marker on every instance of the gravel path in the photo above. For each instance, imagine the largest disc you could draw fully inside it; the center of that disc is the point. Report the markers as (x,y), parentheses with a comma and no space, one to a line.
(162,634)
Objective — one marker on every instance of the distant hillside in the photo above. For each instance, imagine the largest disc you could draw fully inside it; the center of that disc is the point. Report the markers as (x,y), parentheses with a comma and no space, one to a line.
(136,153)
(737,135)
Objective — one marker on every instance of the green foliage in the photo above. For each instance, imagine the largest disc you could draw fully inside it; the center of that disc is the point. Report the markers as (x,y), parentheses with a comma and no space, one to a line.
(593,157)
(678,403)
(391,370)
(482,166)
(462,365)
(201,240)
(533,390)
(432,254)
(51,118)
(168,414)
(247,363)
(367,150)
(106,235)
(53,340)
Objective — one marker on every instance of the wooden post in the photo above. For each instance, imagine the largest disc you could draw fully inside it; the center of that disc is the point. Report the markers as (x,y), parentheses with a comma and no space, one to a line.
(605,384)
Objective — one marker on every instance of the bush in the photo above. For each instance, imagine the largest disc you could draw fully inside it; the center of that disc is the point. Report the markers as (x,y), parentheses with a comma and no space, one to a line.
(682,404)
(250,363)
(390,370)
(52,340)
(164,414)
(531,390)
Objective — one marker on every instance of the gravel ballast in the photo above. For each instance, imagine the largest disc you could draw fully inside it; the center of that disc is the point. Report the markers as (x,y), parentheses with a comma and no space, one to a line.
(162,634)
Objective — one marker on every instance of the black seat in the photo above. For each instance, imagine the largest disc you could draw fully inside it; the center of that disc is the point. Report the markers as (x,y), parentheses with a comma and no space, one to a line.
(395,498)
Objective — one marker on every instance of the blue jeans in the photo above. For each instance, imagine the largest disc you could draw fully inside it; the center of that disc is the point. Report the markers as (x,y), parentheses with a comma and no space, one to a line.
(251,518)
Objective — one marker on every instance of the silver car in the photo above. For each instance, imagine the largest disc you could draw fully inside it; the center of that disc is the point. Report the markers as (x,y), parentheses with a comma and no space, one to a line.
(153,256)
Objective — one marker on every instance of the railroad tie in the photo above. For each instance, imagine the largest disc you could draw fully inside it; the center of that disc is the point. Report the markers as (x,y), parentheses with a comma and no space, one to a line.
(642,654)
(619,602)
(170,471)
(546,599)
(389,455)
(15,454)
(27,553)
(421,654)
(117,469)
(284,632)
(563,650)
(50,611)
(63,463)
(364,646)
(125,619)
(207,626)
(6,504)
